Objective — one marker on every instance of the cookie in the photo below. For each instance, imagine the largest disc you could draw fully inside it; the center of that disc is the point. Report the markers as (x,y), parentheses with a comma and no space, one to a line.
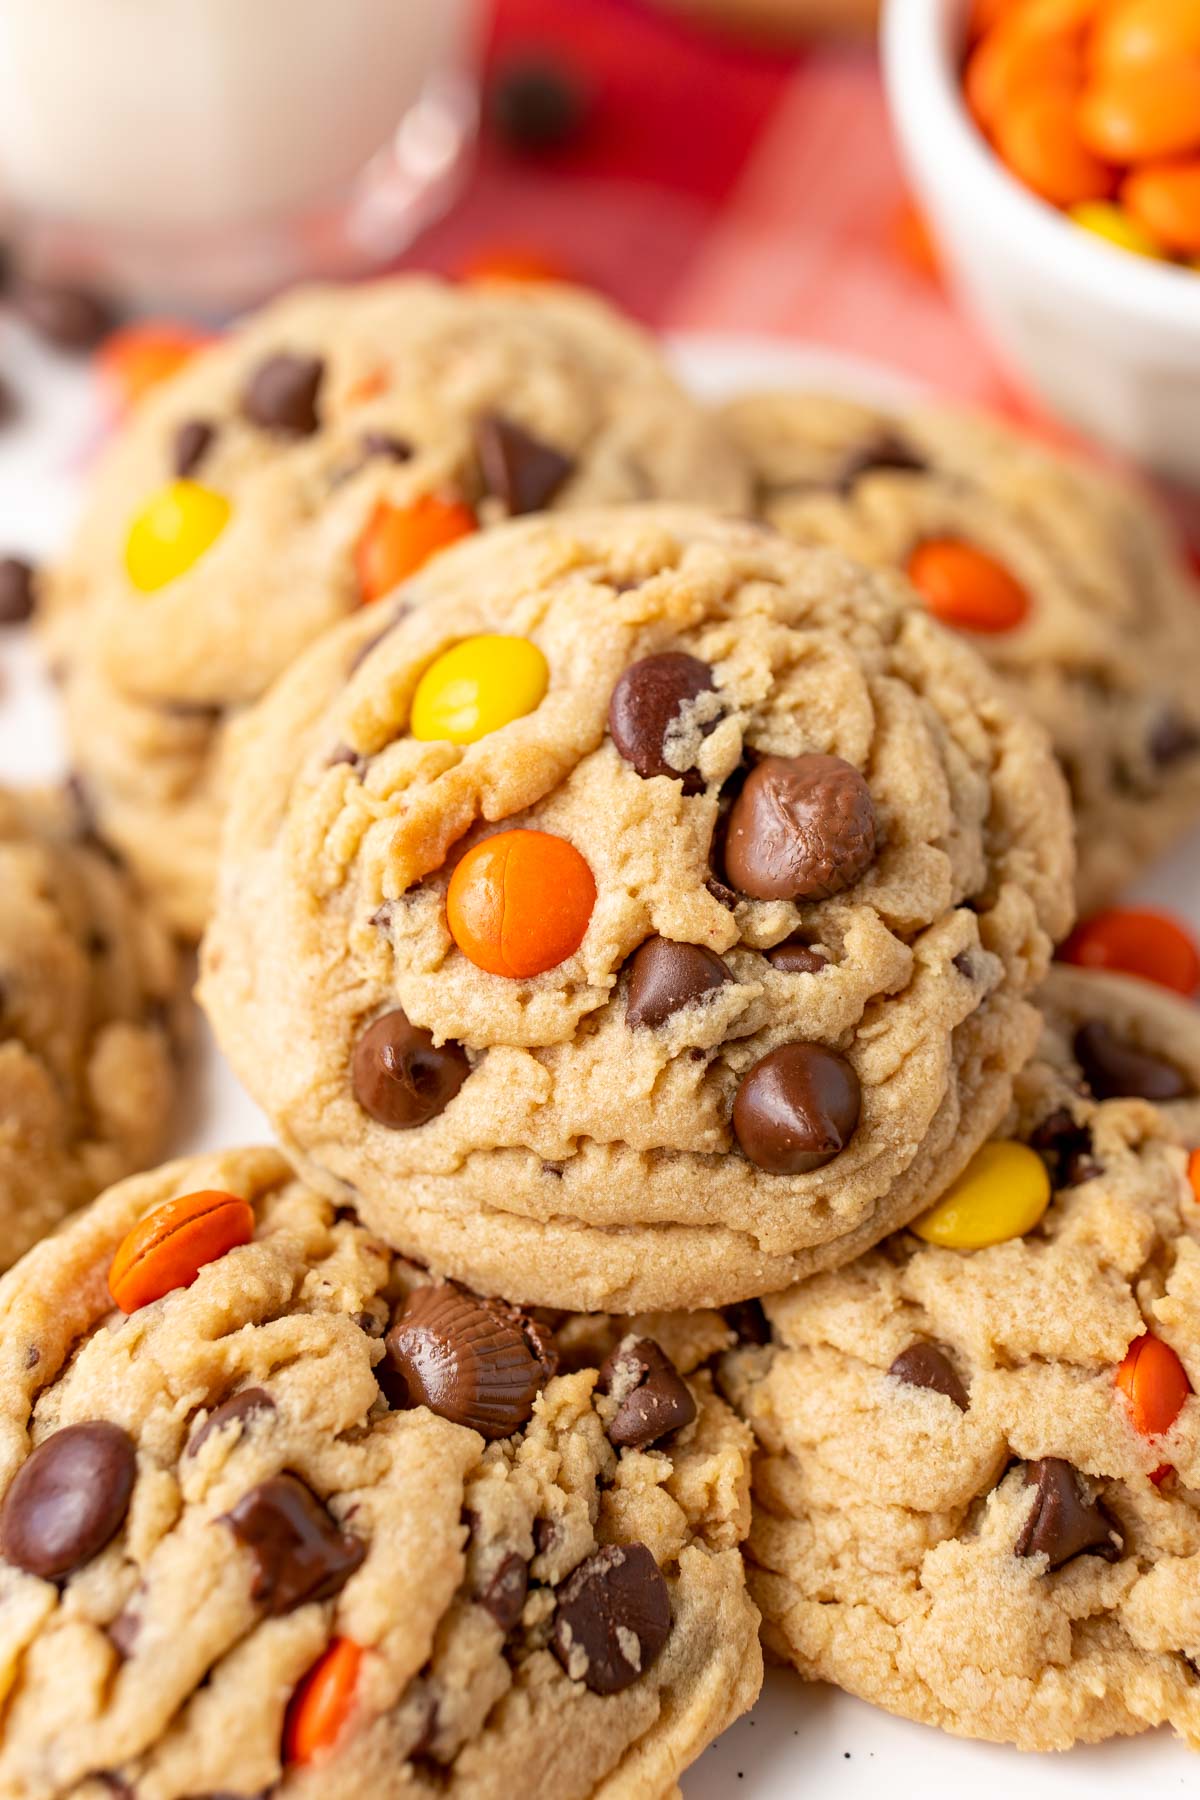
(1063,577)
(91,1020)
(645,919)
(276,1513)
(977,1502)
(297,470)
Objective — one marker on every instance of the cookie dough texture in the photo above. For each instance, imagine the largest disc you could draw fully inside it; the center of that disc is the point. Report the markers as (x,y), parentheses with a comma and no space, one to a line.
(583,1162)
(90,1018)
(883,1547)
(1105,656)
(153,681)
(447,1701)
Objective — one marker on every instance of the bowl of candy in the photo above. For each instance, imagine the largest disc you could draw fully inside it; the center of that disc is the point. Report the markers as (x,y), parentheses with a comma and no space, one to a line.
(1055,147)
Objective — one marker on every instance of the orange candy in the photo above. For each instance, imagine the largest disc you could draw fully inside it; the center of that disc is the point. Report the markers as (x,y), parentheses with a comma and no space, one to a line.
(514,262)
(1039,139)
(1012,63)
(398,539)
(964,588)
(1145,31)
(138,357)
(519,903)
(171,1245)
(1165,199)
(1145,114)
(322,1704)
(1154,1382)
(1194,1174)
(1135,940)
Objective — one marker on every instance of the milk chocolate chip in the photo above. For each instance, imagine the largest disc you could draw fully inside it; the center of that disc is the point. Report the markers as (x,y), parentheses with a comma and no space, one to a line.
(645,705)
(300,1551)
(17,590)
(401,1077)
(281,394)
(795,957)
(68,1499)
(1117,1070)
(802,828)
(192,442)
(796,1109)
(521,471)
(239,1410)
(664,976)
(1062,1524)
(475,1362)
(613,1617)
(653,1397)
(926,1365)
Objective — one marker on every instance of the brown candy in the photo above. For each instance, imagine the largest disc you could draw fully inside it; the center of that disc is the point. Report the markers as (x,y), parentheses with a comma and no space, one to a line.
(1117,1070)
(191,445)
(521,471)
(401,1077)
(794,957)
(68,1499)
(17,590)
(613,1617)
(653,1397)
(239,1410)
(475,1362)
(926,1365)
(281,394)
(664,976)
(645,705)
(1061,1523)
(796,1109)
(300,1552)
(802,828)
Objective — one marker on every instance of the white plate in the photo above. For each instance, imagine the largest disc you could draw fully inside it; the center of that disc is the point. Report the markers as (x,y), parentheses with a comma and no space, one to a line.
(799,1739)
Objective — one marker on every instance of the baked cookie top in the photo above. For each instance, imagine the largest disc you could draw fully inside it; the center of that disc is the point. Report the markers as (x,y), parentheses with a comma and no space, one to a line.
(91,1019)
(298,469)
(643,918)
(1065,578)
(977,1501)
(278,1513)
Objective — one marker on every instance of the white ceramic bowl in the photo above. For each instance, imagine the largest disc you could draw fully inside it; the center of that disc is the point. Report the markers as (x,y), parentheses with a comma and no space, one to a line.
(1108,340)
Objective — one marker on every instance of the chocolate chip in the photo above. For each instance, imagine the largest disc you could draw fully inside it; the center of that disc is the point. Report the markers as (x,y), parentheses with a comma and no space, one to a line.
(70,318)
(387,445)
(1062,1524)
(504,1595)
(1172,738)
(926,1365)
(401,1077)
(123,1633)
(887,451)
(521,471)
(18,590)
(475,1362)
(964,962)
(1066,1148)
(795,957)
(300,1552)
(32,1357)
(796,1109)
(645,705)
(191,445)
(281,394)
(748,1321)
(537,106)
(68,1499)
(664,976)
(724,896)
(1117,1070)
(653,1397)
(802,828)
(240,1409)
(613,1617)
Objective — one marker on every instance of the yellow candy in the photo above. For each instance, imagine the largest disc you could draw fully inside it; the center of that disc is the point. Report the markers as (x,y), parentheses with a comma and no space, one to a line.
(1117,227)
(172,531)
(1001,1194)
(481,684)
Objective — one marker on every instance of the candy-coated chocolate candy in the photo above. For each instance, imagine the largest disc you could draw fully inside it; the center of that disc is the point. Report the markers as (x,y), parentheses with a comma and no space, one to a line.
(172,532)
(965,588)
(478,686)
(519,903)
(1001,1194)
(138,357)
(321,1706)
(1013,62)
(1144,114)
(515,262)
(171,1245)
(1164,198)
(1040,140)
(1194,1174)
(1133,32)
(1154,1382)
(1136,940)
(1116,226)
(396,540)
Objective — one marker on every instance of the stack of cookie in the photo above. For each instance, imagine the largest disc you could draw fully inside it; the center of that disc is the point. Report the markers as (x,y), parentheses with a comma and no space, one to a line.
(699,1204)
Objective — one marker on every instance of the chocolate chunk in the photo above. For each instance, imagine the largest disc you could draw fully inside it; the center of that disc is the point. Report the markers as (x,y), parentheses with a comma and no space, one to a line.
(475,1362)
(1062,1524)
(1066,1148)
(796,1109)
(68,1499)
(794,957)
(645,705)
(613,1617)
(401,1077)
(70,318)
(240,1409)
(123,1633)
(653,1397)
(387,445)
(926,1365)
(748,1320)
(281,394)
(537,106)
(1172,738)
(18,590)
(504,1595)
(1117,1070)
(724,896)
(521,471)
(664,976)
(887,451)
(191,445)
(300,1552)
(802,828)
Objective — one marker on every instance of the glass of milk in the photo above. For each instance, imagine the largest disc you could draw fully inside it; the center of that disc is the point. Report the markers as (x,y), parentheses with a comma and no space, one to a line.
(204,152)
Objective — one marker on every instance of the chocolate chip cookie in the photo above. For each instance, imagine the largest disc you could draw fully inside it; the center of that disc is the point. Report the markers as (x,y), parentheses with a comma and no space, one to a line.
(645,918)
(91,1020)
(1063,577)
(977,1502)
(297,470)
(278,1513)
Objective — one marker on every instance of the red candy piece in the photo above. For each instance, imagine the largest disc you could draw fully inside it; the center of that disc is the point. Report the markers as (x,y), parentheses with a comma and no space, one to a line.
(1136,940)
